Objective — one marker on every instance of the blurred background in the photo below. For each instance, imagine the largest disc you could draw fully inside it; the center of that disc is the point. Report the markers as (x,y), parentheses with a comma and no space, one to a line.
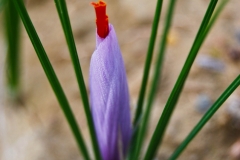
(35,128)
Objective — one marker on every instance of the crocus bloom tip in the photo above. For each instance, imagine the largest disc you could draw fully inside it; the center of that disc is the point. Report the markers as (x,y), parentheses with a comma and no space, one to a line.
(102,18)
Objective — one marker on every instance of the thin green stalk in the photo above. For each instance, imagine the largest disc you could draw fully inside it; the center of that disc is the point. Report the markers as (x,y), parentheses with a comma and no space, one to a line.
(172,100)
(2,4)
(48,69)
(216,14)
(142,92)
(12,27)
(157,73)
(206,117)
(63,14)
(148,63)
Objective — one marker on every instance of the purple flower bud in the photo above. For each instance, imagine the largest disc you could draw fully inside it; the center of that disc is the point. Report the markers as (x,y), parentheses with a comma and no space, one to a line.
(110,98)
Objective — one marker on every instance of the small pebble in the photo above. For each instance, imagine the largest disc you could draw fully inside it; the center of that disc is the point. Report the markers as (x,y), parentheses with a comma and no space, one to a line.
(238,36)
(234,54)
(233,110)
(203,103)
(234,107)
(235,150)
(210,63)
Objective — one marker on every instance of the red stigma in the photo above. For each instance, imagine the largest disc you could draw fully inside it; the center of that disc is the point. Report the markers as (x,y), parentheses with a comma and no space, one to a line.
(102,18)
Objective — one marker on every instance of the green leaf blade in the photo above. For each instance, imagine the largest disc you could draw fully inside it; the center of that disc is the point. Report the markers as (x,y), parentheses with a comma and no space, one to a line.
(154,85)
(206,117)
(12,28)
(148,63)
(65,21)
(51,76)
(172,100)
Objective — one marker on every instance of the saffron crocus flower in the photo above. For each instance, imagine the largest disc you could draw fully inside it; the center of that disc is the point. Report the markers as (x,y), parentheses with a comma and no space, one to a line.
(109,90)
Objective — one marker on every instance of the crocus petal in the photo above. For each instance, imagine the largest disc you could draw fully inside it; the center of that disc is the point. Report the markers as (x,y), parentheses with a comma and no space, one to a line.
(109,97)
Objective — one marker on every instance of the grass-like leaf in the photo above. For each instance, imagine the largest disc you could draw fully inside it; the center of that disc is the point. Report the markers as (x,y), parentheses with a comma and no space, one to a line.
(12,28)
(64,17)
(216,14)
(2,4)
(157,73)
(48,69)
(147,66)
(148,63)
(206,117)
(172,100)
